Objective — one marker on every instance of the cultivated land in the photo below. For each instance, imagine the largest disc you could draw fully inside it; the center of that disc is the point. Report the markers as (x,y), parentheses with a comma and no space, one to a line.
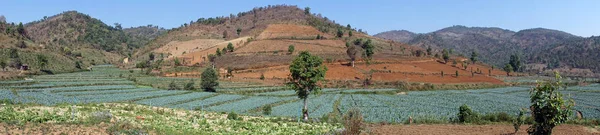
(107,84)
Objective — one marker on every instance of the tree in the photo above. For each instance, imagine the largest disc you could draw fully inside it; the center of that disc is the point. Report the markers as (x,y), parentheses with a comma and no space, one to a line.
(350,33)
(369,48)
(291,49)
(219,52)
(307,10)
(3,65)
(508,68)
(239,30)
(189,85)
(173,86)
(78,64)
(515,62)
(348,26)
(118,26)
(429,50)
(456,73)
(474,57)
(151,56)
(209,80)
(177,62)
(340,33)
(419,53)
(352,51)
(21,29)
(224,50)
(67,50)
(442,73)
(548,107)
(318,36)
(230,47)
(224,34)
(306,72)
(446,56)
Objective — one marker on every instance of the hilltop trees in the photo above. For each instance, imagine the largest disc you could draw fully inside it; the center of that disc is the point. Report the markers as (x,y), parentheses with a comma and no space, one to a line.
(306,72)
(209,80)
(352,51)
(21,29)
(307,10)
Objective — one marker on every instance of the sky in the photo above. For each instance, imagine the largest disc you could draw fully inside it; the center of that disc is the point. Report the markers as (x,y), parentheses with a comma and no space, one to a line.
(578,17)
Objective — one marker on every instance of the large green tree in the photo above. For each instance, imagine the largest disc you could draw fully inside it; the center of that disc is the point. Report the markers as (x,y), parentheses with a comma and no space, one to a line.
(369,48)
(209,80)
(306,72)
(340,33)
(508,68)
(230,47)
(515,62)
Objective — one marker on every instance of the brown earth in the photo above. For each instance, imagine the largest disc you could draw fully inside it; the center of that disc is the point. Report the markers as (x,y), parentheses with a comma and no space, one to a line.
(274,31)
(473,130)
(176,48)
(316,46)
(202,55)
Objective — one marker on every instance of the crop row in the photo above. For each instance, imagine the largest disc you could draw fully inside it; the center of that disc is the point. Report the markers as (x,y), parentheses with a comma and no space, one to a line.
(201,104)
(248,104)
(163,101)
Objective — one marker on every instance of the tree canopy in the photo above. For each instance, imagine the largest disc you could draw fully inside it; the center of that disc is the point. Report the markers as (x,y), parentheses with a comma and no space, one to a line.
(306,72)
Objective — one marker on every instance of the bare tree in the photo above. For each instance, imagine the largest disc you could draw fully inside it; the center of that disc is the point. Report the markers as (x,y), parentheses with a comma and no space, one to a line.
(2,19)
(352,51)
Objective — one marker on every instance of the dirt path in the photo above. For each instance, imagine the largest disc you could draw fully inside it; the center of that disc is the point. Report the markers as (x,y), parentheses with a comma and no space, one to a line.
(473,130)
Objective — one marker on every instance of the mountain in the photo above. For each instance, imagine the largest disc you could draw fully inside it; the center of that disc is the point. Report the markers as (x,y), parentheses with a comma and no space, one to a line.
(141,35)
(495,45)
(402,36)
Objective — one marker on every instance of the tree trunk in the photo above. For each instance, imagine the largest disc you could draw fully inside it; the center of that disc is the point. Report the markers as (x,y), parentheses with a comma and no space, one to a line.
(305,109)
(352,63)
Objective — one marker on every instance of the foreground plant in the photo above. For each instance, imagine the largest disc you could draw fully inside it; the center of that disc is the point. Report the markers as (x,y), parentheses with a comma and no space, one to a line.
(549,109)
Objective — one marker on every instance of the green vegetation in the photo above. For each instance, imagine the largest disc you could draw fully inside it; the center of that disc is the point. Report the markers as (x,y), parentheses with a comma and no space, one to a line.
(339,33)
(474,57)
(446,56)
(218,52)
(209,80)
(307,70)
(548,107)
(230,47)
(351,52)
(291,49)
(508,68)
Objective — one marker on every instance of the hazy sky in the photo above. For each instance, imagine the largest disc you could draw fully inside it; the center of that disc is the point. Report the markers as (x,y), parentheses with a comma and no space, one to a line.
(579,17)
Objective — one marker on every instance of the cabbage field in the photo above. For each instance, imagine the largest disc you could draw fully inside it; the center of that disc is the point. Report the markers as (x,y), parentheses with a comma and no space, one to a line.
(109,84)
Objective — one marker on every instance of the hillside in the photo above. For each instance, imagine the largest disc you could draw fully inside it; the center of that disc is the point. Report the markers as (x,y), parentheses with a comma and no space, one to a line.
(141,35)
(495,45)
(402,36)
(266,33)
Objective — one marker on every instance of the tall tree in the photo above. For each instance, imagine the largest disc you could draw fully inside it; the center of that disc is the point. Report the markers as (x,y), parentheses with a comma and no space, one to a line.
(306,72)
(369,49)
(352,51)
(209,80)
(515,62)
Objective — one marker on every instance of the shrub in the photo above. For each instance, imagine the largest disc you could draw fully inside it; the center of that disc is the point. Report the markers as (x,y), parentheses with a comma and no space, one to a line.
(291,49)
(173,86)
(353,121)
(262,77)
(99,117)
(549,109)
(466,115)
(232,116)
(267,109)
(189,85)
(520,120)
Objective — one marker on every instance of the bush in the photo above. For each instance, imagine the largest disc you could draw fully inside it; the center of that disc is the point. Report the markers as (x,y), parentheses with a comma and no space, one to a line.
(353,121)
(232,116)
(520,120)
(466,115)
(267,109)
(173,86)
(262,77)
(548,107)
(189,85)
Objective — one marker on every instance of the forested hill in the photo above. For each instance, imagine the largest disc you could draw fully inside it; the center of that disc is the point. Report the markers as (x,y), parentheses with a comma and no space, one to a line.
(551,48)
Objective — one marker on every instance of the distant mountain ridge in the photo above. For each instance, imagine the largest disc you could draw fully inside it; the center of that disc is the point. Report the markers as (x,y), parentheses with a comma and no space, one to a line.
(495,45)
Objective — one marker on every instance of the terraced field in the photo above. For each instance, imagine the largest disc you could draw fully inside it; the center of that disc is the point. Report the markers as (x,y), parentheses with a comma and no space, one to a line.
(108,84)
